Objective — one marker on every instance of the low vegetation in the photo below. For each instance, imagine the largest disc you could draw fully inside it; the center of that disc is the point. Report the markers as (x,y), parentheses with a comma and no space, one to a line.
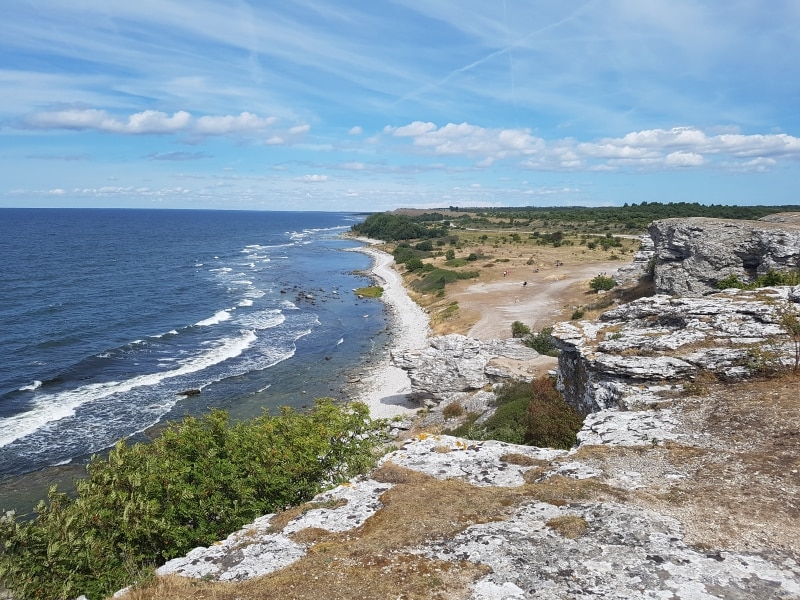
(372,291)
(531,413)
(542,342)
(771,278)
(602,283)
(202,479)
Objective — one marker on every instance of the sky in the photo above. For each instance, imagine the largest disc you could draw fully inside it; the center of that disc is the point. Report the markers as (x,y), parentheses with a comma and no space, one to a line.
(371,105)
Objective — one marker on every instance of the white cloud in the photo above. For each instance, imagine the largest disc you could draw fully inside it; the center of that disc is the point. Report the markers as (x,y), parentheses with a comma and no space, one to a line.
(683,159)
(213,125)
(357,130)
(151,122)
(313,178)
(300,129)
(649,149)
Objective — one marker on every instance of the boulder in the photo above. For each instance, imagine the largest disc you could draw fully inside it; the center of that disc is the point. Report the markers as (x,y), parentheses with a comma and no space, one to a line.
(456,363)
(692,255)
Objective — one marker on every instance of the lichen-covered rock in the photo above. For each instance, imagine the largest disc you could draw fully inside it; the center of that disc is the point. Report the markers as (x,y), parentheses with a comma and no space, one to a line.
(617,360)
(456,363)
(694,254)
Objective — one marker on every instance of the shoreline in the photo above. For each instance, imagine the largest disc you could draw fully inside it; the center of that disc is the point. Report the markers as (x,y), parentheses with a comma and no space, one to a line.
(385,388)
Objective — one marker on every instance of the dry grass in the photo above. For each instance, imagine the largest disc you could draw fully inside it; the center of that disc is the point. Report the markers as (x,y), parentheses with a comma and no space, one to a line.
(525,260)
(570,526)
(738,486)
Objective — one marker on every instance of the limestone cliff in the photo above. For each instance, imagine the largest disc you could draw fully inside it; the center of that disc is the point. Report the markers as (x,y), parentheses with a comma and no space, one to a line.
(693,254)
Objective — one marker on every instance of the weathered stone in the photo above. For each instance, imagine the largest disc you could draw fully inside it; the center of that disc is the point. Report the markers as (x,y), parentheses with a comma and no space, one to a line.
(625,552)
(641,264)
(614,361)
(693,254)
(456,363)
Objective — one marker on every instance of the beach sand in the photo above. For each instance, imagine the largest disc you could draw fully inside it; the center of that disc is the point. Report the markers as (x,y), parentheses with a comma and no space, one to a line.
(386,387)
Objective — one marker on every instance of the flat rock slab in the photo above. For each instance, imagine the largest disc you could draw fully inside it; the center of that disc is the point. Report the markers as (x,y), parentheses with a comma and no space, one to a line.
(477,463)
(257,549)
(625,552)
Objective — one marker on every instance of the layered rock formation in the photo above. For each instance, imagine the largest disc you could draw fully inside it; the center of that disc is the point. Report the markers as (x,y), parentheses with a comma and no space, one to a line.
(650,343)
(693,254)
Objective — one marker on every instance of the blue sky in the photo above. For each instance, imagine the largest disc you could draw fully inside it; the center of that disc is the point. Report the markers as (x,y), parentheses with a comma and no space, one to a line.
(374,105)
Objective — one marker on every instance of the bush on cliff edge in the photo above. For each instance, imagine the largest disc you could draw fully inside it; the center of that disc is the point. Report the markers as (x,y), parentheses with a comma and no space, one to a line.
(532,413)
(201,480)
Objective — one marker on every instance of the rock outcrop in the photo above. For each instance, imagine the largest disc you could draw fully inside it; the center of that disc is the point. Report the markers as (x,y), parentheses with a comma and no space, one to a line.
(456,363)
(635,350)
(693,254)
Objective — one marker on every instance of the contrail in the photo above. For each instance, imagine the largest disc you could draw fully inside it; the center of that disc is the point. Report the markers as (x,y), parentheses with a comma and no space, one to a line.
(496,53)
(510,64)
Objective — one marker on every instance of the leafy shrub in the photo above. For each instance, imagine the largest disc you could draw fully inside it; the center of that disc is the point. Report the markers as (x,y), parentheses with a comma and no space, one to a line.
(770,278)
(577,314)
(542,342)
(402,254)
(519,329)
(731,281)
(450,254)
(390,227)
(602,282)
(425,245)
(550,421)
(527,413)
(414,264)
(198,482)
(472,257)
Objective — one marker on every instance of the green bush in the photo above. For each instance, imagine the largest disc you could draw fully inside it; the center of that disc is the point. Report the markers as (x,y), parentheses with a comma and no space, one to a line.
(602,282)
(550,421)
(519,329)
(438,278)
(770,278)
(531,413)
(414,264)
(201,480)
(450,254)
(542,342)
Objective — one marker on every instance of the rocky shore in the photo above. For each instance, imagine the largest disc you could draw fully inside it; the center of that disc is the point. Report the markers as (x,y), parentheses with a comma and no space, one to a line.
(684,485)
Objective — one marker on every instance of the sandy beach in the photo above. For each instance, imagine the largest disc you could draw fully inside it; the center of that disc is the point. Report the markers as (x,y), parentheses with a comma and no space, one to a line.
(386,387)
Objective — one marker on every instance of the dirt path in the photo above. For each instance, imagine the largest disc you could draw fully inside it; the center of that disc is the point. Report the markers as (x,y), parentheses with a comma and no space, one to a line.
(544,300)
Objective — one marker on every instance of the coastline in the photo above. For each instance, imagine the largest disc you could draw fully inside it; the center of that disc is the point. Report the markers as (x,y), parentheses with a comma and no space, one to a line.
(385,388)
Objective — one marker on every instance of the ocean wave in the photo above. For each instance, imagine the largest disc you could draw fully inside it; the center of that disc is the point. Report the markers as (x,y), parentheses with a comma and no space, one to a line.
(219,317)
(48,408)
(33,386)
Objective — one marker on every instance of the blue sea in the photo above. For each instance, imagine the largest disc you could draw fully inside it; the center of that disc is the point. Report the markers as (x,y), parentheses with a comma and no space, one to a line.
(106,316)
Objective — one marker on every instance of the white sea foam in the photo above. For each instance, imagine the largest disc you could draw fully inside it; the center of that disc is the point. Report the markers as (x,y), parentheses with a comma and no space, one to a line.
(33,386)
(341,341)
(264,319)
(219,317)
(245,302)
(54,407)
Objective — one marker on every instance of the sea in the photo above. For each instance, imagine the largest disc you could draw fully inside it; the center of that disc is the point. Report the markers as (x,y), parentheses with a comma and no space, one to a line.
(115,321)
